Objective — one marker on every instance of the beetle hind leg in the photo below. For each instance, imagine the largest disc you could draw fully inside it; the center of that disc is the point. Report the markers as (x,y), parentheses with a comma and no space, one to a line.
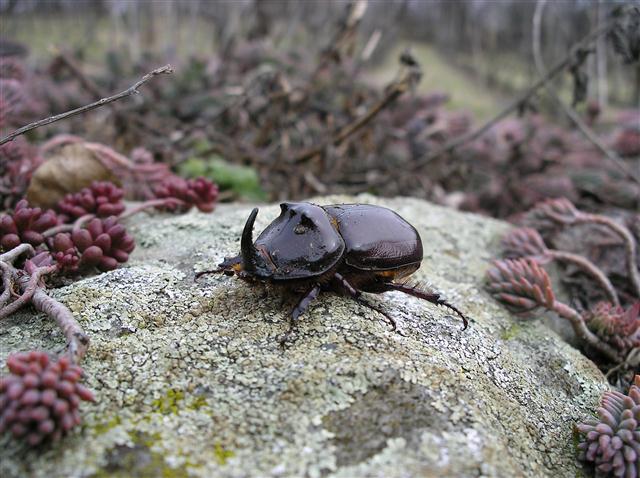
(390,319)
(298,310)
(432,297)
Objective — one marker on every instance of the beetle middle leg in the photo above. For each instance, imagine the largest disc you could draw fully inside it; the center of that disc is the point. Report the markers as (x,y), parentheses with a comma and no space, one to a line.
(298,310)
(357,296)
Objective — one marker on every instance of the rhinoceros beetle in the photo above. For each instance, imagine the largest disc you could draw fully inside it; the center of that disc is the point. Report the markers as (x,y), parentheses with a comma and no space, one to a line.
(345,248)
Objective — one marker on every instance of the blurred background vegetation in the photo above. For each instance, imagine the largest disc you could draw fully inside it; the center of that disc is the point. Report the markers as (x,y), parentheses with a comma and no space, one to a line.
(276,99)
(479,51)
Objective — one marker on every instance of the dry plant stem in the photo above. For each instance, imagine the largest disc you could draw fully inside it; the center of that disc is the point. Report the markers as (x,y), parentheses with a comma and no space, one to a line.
(77,340)
(583,333)
(29,285)
(629,244)
(123,94)
(586,131)
(590,268)
(7,275)
(69,227)
(10,256)
(151,204)
(518,102)
(394,91)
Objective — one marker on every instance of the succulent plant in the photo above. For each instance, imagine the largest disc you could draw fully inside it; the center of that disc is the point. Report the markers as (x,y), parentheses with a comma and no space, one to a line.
(103,243)
(26,224)
(199,192)
(102,198)
(612,442)
(527,242)
(524,242)
(522,284)
(615,325)
(64,252)
(552,212)
(39,399)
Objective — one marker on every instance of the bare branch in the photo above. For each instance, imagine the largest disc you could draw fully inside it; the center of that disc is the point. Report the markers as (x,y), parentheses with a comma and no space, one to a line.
(123,94)
(411,76)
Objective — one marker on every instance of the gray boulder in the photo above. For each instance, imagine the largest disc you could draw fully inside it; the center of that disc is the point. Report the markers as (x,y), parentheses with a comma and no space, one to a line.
(191,381)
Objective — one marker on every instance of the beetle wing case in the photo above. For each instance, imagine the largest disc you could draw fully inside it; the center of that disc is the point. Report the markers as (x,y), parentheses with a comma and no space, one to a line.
(301,243)
(376,238)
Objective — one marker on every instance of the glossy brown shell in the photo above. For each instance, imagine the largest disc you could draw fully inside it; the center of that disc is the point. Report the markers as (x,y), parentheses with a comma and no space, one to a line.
(376,238)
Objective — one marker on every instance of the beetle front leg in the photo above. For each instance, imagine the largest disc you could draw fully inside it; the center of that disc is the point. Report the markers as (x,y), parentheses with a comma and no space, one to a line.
(298,310)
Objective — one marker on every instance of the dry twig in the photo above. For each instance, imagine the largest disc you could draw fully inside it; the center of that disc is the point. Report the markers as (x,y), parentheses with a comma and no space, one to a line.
(123,94)
(410,77)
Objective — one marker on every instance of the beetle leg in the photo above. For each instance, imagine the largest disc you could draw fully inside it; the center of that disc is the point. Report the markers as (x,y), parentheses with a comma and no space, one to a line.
(353,292)
(298,310)
(213,271)
(391,320)
(432,297)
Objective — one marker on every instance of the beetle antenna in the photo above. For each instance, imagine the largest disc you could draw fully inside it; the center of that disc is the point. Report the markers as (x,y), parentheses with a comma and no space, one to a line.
(246,243)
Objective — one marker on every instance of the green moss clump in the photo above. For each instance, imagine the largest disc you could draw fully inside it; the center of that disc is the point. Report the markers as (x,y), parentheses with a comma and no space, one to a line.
(169,404)
(197,403)
(511,332)
(221,454)
(102,428)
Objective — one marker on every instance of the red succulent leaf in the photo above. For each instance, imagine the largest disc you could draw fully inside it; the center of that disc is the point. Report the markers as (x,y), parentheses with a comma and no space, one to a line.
(39,399)
(199,192)
(25,223)
(101,198)
(521,284)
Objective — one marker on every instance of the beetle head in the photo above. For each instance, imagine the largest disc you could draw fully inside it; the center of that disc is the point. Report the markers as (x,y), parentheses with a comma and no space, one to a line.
(301,243)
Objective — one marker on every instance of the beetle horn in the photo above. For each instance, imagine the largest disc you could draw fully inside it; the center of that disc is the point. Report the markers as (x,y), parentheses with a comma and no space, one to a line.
(246,244)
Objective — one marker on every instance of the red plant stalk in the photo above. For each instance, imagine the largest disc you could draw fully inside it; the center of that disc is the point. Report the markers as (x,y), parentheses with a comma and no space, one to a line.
(32,289)
(152,203)
(590,268)
(29,284)
(562,211)
(629,244)
(582,331)
(77,340)
(527,242)
(81,221)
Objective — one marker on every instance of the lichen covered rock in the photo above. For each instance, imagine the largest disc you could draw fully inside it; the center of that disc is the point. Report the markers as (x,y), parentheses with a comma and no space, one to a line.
(190,379)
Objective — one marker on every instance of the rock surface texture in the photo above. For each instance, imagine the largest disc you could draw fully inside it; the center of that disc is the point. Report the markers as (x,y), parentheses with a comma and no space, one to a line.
(190,379)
